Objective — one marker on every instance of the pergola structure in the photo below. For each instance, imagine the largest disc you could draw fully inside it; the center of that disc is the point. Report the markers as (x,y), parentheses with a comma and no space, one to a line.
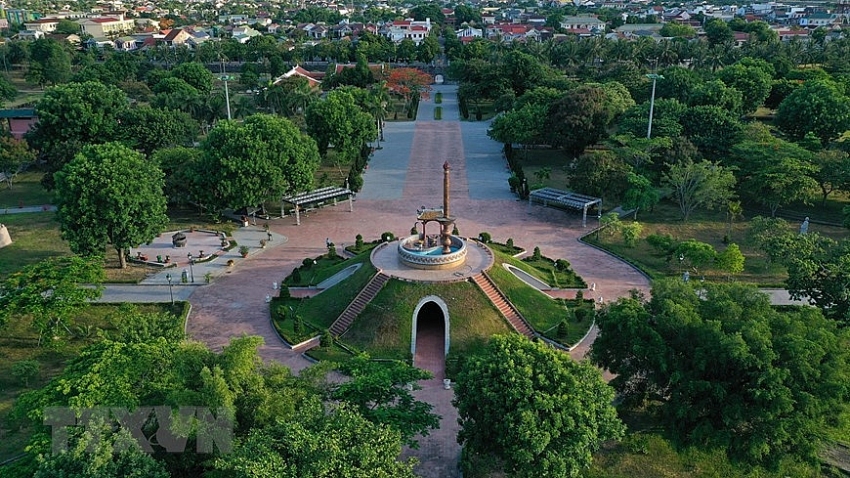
(568,199)
(316,198)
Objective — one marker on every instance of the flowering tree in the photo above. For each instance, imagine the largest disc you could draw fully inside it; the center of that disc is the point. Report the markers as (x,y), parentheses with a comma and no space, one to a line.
(410,84)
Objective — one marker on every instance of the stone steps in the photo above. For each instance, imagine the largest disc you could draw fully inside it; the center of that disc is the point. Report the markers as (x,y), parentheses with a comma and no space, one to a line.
(343,322)
(504,306)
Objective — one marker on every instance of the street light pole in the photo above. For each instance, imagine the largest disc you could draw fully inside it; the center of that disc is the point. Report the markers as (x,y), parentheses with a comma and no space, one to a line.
(170,287)
(654,77)
(191,268)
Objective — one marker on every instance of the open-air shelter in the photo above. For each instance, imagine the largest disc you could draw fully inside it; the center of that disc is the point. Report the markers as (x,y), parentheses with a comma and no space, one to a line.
(307,201)
(565,199)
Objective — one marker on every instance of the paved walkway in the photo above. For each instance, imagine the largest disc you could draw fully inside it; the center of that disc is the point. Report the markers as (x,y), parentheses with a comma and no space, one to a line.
(405,174)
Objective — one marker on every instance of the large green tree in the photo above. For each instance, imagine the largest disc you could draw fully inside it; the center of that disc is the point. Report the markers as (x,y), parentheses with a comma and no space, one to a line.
(818,107)
(72,116)
(259,160)
(579,119)
(340,121)
(51,291)
(148,129)
(534,409)
(109,194)
(724,369)
(771,171)
(752,79)
(377,391)
(50,63)
(699,184)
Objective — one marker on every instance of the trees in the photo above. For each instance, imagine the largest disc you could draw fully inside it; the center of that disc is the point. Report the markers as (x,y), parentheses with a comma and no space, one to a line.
(338,443)
(712,129)
(817,107)
(13,154)
(340,121)
(702,184)
(51,291)
(773,172)
(640,193)
(109,194)
(246,164)
(751,79)
(718,32)
(832,172)
(728,370)
(578,119)
(731,260)
(533,408)
(148,129)
(7,90)
(819,269)
(73,115)
(409,83)
(196,75)
(50,63)
(376,391)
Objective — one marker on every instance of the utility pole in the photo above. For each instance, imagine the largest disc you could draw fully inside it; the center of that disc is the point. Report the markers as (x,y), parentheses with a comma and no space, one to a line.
(654,77)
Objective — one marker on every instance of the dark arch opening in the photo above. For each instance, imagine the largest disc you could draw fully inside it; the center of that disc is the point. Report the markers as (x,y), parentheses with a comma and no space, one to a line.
(431,339)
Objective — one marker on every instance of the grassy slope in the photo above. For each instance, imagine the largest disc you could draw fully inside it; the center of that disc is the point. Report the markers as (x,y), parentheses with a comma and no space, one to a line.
(384,328)
(540,310)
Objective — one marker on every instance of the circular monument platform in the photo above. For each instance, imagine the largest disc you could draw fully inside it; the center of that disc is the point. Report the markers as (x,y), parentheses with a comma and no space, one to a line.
(478,258)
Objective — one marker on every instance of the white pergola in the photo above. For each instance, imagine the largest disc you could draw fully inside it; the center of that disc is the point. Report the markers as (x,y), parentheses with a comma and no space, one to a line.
(316,198)
(568,199)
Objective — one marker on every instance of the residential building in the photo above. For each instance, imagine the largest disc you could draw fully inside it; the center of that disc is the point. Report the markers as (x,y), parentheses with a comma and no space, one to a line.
(102,27)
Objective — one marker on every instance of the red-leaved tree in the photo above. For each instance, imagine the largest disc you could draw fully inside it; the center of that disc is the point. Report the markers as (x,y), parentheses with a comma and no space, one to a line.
(409,83)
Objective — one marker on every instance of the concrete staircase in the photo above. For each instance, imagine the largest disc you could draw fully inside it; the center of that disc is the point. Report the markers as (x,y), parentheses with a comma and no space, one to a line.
(502,303)
(359,303)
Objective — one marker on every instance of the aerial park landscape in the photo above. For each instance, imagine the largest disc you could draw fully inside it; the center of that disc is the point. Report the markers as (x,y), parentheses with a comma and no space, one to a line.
(504,271)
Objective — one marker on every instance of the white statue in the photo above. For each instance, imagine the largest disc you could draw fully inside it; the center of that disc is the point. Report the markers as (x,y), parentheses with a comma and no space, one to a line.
(804,227)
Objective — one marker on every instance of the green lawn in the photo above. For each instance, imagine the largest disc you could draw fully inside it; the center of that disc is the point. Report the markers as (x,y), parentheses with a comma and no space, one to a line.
(18,341)
(705,226)
(35,237)
(319,312)
(541,311)
(26,190)
(324,268)
(384,328)
(651,456)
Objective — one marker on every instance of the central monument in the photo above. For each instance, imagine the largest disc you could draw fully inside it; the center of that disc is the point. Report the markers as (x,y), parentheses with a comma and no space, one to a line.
(437,251)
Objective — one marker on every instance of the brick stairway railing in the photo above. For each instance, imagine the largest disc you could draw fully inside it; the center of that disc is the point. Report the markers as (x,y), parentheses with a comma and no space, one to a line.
(359,303)
(502,303)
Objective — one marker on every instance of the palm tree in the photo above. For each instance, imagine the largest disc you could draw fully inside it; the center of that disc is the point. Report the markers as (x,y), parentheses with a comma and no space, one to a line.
(244,107)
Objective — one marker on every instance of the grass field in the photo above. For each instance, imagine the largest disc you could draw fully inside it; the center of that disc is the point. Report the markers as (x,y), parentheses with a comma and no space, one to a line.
(319,312)
(26,190)
(541,311)
(384,328)
(19,342)
(705,226)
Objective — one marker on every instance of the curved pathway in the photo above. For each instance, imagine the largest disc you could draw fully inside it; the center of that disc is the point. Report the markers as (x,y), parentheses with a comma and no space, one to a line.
(404,175)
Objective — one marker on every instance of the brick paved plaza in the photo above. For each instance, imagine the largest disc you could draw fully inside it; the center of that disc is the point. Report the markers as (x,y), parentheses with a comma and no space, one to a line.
(403,176)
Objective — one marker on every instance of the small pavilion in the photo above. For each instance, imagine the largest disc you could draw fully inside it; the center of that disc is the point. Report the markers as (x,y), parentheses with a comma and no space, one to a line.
(310,200)
(567,199)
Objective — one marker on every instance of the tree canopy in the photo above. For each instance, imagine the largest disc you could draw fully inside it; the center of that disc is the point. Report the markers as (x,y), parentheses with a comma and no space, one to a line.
(533,408)
(727,370)
(109,194)
(51,291)
(73,115)
(817,107)
(246,164)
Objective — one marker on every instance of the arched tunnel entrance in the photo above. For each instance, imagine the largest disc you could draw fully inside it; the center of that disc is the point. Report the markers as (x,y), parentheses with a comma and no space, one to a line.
(430,341)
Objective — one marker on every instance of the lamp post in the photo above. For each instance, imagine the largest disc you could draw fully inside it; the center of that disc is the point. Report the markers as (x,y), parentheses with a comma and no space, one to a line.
(598,222)
(654,77)
(191,264)
(170,287)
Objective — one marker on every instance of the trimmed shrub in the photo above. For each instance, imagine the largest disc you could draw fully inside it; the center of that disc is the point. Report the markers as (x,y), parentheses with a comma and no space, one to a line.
(509,242)
(358,241)
(536,255)
(387,237)
(438,113)
(485,237)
